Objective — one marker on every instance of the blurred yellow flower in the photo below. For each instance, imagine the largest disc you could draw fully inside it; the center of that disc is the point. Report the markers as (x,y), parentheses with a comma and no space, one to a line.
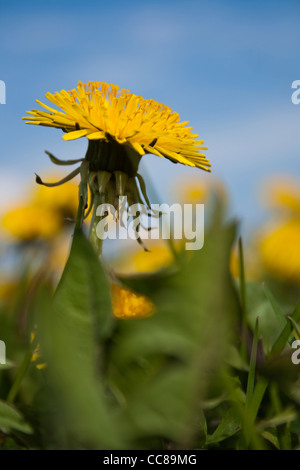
(32,222)
(140,261)
(159,257)
(280,251)
(102,113)
(45,213)
(62,199)
(195,190)
(283,193)
(127,304)
(280,242)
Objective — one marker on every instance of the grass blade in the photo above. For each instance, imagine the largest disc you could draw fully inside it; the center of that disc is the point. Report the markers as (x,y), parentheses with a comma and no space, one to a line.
(252,367)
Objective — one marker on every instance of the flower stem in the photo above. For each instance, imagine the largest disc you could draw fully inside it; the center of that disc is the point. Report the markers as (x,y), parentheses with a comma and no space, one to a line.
(20,376)
(243,296)
(79,217)
(93,237)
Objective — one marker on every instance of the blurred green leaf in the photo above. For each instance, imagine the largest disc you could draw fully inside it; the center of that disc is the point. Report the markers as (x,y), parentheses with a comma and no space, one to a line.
(259,305)
(252,367)
(283,337)
(197,311)
(70,334)
(10,418)
(229,426)
(235,359)
(243,292)
(271,438)
(281,369)
(8,365)
(286,416)
(276,308)
(295,325)
(295,427)
(256,399)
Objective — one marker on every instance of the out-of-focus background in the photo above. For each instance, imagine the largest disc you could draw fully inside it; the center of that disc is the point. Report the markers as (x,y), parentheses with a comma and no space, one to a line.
(227,67)
(161,349)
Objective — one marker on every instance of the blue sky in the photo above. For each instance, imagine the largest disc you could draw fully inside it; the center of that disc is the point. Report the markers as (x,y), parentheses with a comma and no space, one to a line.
(226,66)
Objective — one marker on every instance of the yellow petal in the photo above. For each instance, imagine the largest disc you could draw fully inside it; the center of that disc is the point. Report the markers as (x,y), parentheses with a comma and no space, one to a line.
(75,134)
(96,135)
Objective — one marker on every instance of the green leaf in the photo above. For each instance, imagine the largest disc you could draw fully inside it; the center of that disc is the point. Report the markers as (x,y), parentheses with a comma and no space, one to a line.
(295,325)
(162,409)
(252,367)
(271,438)
(242,280)
(8,365)
(256,399)
(276,308)
(83,297)
(162,365)
(72,335)
(11,419)
(283,338)
(286,416)
(259,305)
(229,426)
(235,359)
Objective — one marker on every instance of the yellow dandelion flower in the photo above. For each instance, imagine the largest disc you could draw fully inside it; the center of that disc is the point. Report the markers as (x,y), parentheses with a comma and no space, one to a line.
(139,261)
(63,199)
(193,190)
(103,113)
(127,304)
(120,127)
(280,251)
(46,213)
(283,192)
(159,257)
(31,222)
(279,244)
